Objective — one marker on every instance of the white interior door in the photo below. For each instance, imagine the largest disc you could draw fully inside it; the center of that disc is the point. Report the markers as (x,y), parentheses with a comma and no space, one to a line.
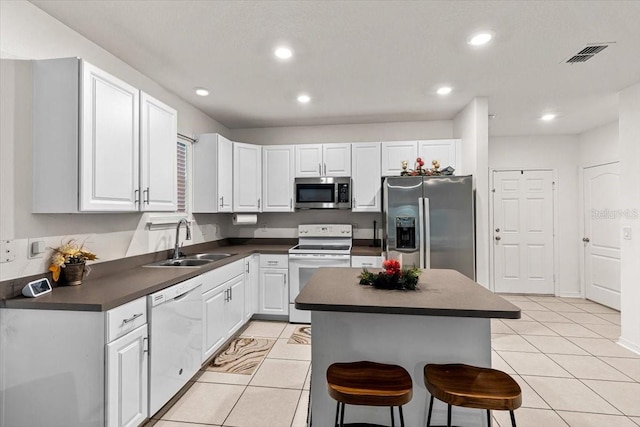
(602,234)
(523,232)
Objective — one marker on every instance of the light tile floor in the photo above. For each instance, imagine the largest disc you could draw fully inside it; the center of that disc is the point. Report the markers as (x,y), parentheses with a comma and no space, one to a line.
(562,353)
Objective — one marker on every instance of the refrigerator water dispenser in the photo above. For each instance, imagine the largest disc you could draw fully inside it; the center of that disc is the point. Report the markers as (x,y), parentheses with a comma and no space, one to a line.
(406,232)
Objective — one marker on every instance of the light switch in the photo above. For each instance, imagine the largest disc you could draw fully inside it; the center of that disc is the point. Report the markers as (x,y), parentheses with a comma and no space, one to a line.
(626,233)
(36,249)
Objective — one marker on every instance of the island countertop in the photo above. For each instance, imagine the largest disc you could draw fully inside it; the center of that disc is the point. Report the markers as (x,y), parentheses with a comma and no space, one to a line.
(439,293)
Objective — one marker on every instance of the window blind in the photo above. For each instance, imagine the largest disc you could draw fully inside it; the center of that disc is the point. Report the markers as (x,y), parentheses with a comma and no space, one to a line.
(182,176)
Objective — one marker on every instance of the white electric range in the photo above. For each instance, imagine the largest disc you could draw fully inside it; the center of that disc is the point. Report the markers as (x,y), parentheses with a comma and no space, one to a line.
(319,245)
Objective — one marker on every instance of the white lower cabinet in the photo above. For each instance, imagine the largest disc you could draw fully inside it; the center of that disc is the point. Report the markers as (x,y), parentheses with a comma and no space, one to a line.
(74,368)
(366,261)
(213,328)
(274,285)
(234,310)
(251,285)
(126,378)
(223,305)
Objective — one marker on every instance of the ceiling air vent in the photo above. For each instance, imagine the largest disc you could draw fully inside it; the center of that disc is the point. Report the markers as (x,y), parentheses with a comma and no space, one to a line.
(587,53)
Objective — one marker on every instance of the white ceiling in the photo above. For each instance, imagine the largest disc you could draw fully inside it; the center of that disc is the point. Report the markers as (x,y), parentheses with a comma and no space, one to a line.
(374,61)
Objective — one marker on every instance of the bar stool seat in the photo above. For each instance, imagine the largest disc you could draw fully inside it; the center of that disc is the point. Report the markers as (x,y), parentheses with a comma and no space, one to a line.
(472,387)
(369,384)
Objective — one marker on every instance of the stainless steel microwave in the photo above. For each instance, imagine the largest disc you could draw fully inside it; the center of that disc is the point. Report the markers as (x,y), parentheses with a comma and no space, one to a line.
(323,193)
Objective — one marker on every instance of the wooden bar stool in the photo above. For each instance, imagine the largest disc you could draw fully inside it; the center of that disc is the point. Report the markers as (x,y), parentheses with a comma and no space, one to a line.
(472,387)
(369,384)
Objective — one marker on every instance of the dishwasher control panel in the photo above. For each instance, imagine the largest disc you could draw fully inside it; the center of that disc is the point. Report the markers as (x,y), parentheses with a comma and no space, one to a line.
(174,291)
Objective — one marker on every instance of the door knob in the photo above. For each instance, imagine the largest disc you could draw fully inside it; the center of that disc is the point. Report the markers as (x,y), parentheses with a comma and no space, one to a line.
(497,230)
(498,237)
(586,239)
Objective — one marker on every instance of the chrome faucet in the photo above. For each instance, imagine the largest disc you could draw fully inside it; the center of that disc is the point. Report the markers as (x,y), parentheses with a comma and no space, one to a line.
(176,248)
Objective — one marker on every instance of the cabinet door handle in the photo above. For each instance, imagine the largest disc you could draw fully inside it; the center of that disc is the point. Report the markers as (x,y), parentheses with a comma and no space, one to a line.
(146,200)
(325,169)
(230,294)
(258,203)
(248,265)
(319,168)
(290,203)
(136,196)
(145,345)
(222,201)
(132,318)
(367,264)
(285,278)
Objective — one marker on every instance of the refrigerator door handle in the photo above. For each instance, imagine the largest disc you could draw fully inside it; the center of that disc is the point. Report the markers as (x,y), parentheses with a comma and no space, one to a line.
(426,226)
(421,225)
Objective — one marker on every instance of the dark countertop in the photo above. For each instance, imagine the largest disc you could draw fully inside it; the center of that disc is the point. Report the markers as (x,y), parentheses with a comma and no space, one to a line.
(128,283)
(439,293)
(365,251)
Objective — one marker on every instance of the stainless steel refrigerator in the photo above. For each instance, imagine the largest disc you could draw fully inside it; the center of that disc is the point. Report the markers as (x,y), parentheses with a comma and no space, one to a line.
(431,221)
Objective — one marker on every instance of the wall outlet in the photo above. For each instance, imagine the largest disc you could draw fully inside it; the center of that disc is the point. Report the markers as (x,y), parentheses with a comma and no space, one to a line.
(7,250)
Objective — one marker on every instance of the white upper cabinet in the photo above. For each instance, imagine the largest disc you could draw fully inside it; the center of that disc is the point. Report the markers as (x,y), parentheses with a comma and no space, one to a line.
(314,160)
(109,142)
(445,151)
(308,160)
(212,174)
(336,159)
(366,177)
(85,139)
(277,178)
(86,135)
(394,153)
(158,155)
(247,177)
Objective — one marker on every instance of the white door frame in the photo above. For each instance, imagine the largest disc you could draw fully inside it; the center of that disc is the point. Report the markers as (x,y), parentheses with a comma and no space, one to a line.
(579,244)
(554,174)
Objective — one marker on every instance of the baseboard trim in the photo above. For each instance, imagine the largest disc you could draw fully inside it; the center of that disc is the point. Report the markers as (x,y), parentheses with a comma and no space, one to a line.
(631,346)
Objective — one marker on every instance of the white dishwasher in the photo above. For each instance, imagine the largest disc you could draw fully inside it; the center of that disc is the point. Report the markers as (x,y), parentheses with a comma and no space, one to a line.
(175,340)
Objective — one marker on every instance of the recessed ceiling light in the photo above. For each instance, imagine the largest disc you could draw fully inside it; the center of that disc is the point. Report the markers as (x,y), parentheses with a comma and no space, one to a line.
(480,38)
(304,99)
(202,91)
(444,90)
(548,117)
(283,52)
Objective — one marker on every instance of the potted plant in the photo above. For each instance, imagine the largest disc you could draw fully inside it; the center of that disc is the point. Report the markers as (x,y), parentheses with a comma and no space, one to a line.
(69,259)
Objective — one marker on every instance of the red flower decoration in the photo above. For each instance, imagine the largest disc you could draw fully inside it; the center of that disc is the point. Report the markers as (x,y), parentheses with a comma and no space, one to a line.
(391,266)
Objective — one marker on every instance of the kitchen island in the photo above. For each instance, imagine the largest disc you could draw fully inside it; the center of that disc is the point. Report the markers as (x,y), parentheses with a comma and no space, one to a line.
(446,320)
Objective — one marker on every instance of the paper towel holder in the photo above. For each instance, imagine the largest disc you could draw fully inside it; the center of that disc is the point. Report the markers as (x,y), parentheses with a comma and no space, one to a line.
(244,219)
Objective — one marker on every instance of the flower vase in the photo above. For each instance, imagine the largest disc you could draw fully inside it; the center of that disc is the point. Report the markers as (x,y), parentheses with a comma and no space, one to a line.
(73,273)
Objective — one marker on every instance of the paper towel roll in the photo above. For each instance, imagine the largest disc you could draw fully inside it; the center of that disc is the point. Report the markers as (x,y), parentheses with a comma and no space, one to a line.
(245,219)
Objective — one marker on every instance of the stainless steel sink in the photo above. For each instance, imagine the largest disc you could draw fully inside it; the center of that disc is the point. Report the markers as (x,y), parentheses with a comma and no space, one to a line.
(210,256)
(183,262)
(193,261)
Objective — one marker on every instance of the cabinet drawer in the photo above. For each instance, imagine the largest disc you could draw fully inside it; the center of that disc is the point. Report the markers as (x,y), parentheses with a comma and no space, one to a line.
(126,318)
(274,261)
(366,261)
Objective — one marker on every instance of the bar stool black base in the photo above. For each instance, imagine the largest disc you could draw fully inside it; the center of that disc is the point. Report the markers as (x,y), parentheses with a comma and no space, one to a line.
(340,418)
(513,418)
